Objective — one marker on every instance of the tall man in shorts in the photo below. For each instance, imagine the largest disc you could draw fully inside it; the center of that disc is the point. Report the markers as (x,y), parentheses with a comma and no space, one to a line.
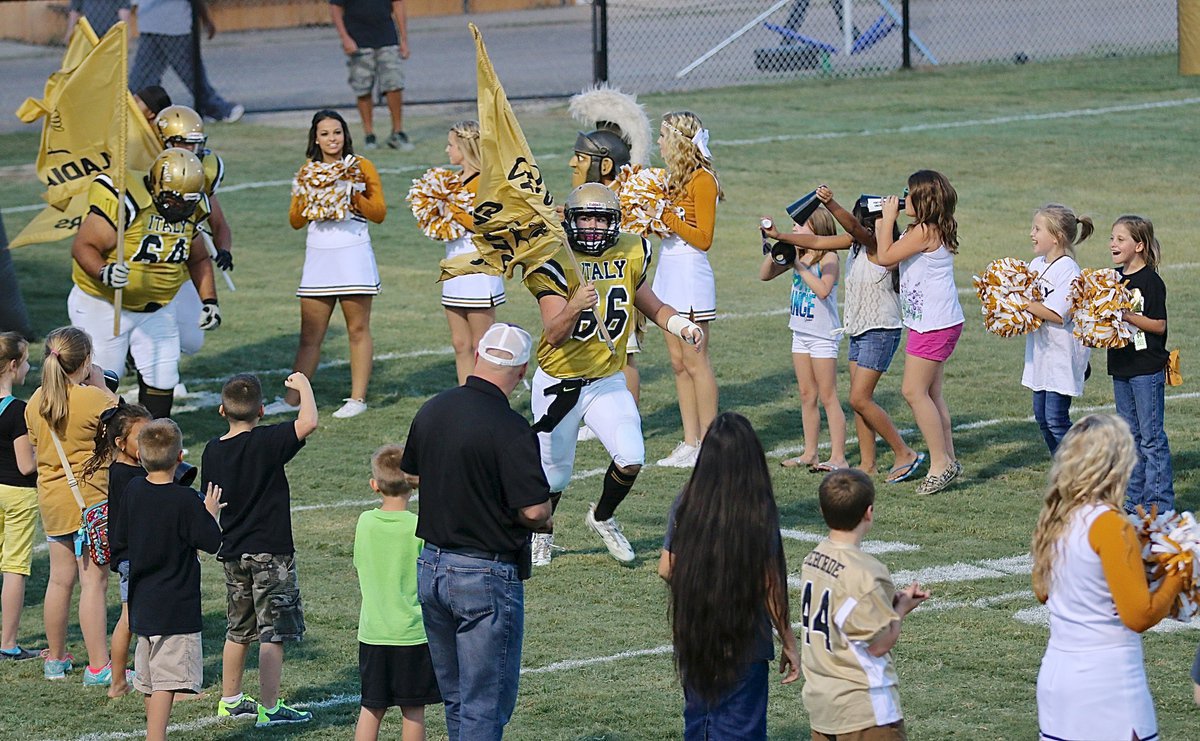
(578,377)
(374,35)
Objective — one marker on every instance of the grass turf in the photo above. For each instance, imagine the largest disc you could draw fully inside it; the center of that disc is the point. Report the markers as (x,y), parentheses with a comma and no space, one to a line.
(968,672)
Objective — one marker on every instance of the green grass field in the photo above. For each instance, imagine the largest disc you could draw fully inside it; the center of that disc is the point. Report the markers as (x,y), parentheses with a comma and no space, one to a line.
(1107,136)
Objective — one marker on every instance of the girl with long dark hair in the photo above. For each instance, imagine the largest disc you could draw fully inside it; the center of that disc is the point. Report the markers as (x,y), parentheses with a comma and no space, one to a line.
(722,531)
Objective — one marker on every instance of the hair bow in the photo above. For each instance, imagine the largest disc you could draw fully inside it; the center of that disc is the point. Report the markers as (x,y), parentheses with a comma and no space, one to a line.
(700,139)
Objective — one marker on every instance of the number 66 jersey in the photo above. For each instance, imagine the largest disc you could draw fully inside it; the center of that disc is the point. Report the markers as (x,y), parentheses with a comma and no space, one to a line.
(617,273)
(846,603)
(156,250)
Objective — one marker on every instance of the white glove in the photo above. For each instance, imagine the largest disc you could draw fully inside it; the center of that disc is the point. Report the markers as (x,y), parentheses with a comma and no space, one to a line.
(115,275)
(210,315)
(685,329)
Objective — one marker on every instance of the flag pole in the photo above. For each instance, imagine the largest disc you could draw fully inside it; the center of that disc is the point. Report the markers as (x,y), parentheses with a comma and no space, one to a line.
(119,162)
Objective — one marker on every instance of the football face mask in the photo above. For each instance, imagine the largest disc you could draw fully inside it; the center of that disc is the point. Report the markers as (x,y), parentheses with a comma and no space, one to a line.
(593,219)
(176,184)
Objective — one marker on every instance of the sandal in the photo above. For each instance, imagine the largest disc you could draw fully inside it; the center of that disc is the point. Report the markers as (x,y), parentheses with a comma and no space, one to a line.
(825,467)
(933,484)
(797,462)
(905,472)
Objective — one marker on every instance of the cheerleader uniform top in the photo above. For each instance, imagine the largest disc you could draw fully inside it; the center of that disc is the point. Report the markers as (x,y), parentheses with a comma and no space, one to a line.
(870,301)
(1099,598)
(466,219)
(693,232)
(816,317)
(367,204)
(928,296)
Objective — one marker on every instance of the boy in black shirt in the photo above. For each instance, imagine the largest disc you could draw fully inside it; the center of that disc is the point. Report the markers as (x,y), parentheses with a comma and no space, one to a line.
(164,573)
(256,548)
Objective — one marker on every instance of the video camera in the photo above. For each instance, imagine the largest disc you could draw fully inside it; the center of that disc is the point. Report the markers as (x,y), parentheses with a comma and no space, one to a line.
(868,208)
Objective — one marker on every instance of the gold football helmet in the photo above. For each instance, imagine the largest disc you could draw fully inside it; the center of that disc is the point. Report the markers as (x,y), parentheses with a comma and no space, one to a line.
(176,183)
(595,200)
(180,126)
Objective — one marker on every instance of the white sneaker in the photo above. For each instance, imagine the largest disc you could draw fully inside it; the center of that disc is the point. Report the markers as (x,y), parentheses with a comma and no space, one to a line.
(683,456)
(585,433)
(542,544)
(610,532)
(279,406)
(236,113)
(352,408)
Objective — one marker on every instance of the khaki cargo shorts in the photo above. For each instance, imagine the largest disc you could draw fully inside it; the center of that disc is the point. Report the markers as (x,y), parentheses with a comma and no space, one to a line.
(382,65)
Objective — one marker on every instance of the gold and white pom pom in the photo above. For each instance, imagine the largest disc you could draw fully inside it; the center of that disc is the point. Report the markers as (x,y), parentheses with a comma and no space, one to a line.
(1098,300)
(642,192)
(1005,290)
(435,198)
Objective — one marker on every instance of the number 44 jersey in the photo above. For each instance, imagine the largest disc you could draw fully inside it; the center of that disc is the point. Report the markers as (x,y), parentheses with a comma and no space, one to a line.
(155,249)
(845,604)
(617,274)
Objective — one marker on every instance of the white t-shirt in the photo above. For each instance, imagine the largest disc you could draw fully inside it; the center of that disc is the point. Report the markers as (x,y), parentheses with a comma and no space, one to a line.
(817,317)
(1054,359)
(167,17)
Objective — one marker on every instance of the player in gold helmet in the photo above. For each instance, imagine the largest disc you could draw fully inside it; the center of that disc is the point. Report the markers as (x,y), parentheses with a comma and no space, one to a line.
(163,209)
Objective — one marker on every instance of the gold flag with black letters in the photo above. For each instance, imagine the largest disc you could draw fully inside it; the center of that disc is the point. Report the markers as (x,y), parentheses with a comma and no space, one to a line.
(515,220)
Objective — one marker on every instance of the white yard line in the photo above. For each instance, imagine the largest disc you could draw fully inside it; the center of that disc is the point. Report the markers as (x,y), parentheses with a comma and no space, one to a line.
(815,136)
(874,547)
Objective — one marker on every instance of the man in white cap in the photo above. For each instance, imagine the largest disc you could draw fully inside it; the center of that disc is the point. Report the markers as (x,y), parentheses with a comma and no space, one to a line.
(482,493)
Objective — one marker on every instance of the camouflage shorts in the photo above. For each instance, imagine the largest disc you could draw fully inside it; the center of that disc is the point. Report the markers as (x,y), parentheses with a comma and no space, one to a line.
(264,599)
(382,65)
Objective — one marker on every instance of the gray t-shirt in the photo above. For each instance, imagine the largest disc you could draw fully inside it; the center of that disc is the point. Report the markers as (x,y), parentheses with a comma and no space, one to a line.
(168,17)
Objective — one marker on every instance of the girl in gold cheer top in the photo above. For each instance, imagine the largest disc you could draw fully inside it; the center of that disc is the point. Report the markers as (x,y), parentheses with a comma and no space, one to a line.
(335,194)
(684,279)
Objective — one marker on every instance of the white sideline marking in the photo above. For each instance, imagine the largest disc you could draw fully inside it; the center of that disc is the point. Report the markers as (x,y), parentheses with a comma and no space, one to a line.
(940,126)
(577,663)
(983,603)
(870,546)
(1040,615)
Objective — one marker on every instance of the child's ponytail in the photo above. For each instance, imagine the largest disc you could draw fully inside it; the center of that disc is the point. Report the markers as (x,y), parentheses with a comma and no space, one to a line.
(1066,228)
(115,424)
(67,349)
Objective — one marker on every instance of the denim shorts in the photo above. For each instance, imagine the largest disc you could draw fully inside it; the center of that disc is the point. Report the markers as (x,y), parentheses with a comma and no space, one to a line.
(875,348)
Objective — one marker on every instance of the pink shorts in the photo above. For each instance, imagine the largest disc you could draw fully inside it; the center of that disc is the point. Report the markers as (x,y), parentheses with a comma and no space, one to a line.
(936,345)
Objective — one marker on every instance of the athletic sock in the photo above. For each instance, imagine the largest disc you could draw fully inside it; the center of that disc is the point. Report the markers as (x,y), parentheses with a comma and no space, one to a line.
(157,401)
(233,700)
(616,486)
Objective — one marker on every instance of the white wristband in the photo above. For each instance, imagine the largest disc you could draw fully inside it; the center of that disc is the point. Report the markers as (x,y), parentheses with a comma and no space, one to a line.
(676,324)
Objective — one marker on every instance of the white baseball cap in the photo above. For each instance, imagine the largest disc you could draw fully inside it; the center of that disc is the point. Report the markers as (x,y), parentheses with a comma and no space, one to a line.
(510,340)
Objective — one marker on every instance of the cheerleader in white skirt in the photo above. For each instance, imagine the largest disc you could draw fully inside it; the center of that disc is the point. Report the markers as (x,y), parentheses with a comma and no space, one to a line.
(684,278)
(470,301)
(336,193)
(1087,568)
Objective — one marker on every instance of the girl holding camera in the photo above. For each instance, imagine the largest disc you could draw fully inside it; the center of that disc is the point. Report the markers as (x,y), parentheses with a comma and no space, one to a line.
(930,309)
(816,335)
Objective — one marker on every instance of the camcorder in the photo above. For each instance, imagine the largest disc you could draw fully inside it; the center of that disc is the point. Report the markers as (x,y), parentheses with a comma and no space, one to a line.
(185,473)
(781,253)
(868,208)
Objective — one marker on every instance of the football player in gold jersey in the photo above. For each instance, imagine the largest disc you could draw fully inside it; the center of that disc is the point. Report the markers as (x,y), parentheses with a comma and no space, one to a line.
(180,126)
(578,377)
(162,212)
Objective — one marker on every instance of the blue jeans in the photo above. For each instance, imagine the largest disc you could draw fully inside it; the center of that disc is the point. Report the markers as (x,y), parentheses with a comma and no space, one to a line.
(740,715)
(1140,402)
(1052,411)
(474,614)
(156,52)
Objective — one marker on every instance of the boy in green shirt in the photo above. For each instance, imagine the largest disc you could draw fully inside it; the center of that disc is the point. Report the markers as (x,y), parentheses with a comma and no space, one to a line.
(393,654)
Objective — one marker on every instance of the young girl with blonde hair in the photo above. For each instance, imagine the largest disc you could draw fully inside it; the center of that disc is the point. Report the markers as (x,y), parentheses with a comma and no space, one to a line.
(1086,562)
(684,279)
(470,301)
(335,194)
(816,337)
(930,309)
(1055,361)
(68,406)
(18,495)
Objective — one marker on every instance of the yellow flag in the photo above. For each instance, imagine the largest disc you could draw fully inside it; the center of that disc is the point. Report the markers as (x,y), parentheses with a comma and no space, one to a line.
(81,125)
(515,221)
(52,225)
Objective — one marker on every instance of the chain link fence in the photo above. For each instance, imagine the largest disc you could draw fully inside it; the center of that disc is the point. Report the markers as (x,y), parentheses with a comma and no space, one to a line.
(663,45)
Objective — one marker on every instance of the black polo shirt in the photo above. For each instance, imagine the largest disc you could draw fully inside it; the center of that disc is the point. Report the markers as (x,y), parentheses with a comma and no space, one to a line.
(479,463)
